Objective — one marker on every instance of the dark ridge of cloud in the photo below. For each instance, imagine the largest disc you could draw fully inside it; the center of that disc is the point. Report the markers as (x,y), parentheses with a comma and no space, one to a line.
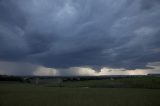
(147,4)
(75,33)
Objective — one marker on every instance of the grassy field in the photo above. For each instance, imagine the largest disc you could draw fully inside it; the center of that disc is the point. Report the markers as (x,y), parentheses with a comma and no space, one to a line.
(141,82)
(19,94)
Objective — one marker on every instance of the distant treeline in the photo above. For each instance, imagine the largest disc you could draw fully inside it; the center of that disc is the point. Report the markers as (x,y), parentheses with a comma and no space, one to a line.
(64,78)
(10,78)
(70,78)
(118,81)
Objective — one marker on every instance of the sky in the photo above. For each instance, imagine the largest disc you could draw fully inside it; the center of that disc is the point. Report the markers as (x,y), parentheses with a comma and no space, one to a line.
(79,37)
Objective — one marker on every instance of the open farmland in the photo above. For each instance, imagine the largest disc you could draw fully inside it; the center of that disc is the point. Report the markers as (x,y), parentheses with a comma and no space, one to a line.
(137,82)
(79,94)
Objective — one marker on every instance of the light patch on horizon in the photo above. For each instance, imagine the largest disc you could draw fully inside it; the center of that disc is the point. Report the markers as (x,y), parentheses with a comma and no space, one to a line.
(155,67)
(15,68)
(110,71)
(42,71)
(84,71)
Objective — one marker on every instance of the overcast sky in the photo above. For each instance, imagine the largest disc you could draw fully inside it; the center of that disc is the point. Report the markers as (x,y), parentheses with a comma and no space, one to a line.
(71,37)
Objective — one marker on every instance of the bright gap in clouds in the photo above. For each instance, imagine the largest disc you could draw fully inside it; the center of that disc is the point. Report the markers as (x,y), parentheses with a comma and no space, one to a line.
(13,68)
(79,71)
(85,71)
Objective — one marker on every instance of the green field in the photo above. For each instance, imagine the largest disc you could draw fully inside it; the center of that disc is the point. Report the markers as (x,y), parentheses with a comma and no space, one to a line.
(20,94)
(141,82)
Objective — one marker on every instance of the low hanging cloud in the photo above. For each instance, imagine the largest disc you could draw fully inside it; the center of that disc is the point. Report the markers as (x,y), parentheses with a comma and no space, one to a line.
(26,69)
(80,33)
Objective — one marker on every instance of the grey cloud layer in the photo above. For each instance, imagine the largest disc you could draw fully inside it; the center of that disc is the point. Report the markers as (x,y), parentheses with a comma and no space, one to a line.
(72,33)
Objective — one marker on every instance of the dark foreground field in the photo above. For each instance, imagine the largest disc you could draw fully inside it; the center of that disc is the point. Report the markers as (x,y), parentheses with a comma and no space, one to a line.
(17,94)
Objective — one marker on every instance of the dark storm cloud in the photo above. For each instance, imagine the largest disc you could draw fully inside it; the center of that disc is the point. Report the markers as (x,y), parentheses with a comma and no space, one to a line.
(73,33)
